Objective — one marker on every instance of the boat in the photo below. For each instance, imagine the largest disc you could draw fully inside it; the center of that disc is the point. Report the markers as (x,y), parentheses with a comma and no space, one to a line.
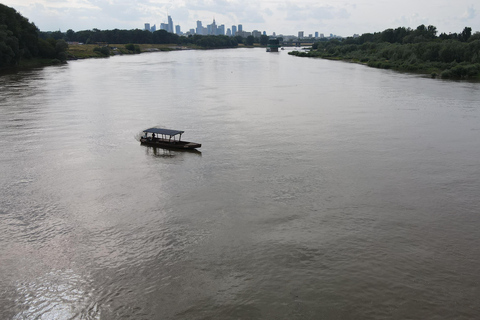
(273,44)
(166,138)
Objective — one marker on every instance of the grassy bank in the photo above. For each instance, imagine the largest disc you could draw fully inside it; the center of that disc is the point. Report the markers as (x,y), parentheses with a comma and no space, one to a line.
(83,51)
(36,62)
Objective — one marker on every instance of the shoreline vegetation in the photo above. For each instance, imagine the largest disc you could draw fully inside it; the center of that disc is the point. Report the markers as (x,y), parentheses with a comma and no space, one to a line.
(452,56)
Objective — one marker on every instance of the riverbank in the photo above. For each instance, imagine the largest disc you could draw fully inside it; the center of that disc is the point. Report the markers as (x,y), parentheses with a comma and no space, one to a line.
(451,70)
(87,51)
(84,51)
(448,57)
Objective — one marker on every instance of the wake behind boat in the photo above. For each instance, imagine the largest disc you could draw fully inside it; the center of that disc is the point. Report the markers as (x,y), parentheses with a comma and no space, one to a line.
(166,138)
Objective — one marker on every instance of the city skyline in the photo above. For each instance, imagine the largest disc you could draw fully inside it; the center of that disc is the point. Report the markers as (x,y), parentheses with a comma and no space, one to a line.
(209,29)
(216,29)
(282,17)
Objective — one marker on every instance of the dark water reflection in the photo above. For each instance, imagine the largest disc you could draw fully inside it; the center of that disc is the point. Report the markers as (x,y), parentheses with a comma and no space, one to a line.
(322,190)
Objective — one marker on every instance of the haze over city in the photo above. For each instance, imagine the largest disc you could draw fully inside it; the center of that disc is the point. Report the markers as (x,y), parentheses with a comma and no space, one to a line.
(282,17)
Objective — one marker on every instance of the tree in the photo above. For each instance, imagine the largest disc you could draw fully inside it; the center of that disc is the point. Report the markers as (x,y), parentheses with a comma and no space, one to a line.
(250,40)
(18,39)
(46,49)
(8,48)
(466,34)
(61,48)
(70,35)
(239,39)
(264,40)
(432,31)
(474,37)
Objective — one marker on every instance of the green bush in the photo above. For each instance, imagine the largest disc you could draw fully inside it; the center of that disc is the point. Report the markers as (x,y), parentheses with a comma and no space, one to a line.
(133,47)
(104,51)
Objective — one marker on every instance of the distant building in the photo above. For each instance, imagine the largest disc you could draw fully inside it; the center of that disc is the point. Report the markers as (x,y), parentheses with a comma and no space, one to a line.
(229,32)
(240,28)
(256,34)
(243,34)
(300,34)
(221,30)
(154,28)
(177,30)
(212,28)
(164,26)
(199,28)
(316,34)
(234,30)
(170,25)
(147,26)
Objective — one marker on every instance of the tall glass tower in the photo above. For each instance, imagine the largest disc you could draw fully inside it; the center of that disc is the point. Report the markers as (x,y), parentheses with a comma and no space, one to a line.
(199,29)
(170,25)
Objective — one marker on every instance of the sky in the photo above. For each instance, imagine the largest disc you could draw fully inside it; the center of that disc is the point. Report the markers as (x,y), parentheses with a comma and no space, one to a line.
(287,17)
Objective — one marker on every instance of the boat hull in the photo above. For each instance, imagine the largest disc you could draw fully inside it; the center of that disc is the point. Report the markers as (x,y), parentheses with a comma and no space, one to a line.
(179,145)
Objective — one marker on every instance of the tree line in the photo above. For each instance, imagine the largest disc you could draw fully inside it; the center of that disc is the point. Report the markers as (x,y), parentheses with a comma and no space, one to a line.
(455,55)
(19,39)
(138,36)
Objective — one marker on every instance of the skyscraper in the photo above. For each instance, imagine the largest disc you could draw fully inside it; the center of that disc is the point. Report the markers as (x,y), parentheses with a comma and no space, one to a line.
(147,26)
(212,28)
(170,25)
(234,30)
(199,29)
(240,28)
(177,30)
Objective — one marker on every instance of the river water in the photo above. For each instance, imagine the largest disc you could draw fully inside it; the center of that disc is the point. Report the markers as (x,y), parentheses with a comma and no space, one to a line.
(323,190)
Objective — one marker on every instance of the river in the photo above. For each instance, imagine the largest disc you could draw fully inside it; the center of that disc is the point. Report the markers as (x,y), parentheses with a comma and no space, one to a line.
(322,190)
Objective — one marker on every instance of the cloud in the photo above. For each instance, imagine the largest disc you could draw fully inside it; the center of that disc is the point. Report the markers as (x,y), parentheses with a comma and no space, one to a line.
(282,16)
(317,12)
(470,13)
(412,21)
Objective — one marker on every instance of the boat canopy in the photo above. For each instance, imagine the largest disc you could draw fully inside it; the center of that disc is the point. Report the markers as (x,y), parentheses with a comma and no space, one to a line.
(166,132)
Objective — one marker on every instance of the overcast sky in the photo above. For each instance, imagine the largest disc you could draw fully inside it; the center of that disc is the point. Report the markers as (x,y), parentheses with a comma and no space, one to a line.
(343,18)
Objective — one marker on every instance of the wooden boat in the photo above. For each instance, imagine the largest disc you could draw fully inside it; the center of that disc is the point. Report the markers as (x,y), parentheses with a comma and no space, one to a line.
(165,138)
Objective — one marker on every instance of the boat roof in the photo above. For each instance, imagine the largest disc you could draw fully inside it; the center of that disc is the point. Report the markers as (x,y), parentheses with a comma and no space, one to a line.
(167,132)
